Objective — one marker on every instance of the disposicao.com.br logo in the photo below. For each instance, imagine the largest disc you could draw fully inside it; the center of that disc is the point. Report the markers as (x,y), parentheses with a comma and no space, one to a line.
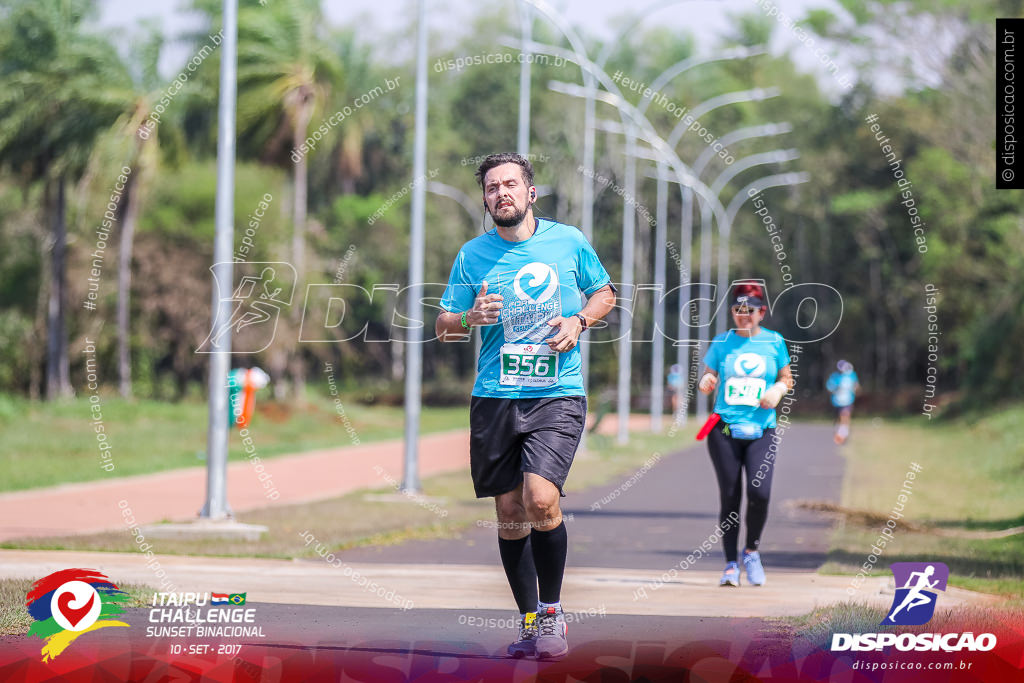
(913,604)
(70,603)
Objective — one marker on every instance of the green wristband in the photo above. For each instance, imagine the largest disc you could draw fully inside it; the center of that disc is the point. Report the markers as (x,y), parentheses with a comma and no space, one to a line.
(465,324)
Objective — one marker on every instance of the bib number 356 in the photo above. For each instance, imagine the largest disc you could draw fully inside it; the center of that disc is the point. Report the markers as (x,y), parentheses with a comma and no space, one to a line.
(528,365)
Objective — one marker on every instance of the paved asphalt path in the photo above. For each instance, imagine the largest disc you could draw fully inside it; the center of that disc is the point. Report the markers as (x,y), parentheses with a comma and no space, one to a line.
(303,642)
(668,512)
(652,524)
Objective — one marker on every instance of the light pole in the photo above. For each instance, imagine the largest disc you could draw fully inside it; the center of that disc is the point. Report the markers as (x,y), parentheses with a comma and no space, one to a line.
(737,201)
(773,157)
(658,348)
(753,95)
(629,214)
(686,221)
(683,175)
(216,505)
(414,350)
(628,244)
(613,96)
(738,135)
(526,24)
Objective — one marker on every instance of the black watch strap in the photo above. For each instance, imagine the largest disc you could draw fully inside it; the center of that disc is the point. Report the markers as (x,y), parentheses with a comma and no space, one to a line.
(582,320)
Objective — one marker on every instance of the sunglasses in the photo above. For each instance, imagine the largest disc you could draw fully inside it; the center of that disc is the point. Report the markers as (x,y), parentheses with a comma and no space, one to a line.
(743,310)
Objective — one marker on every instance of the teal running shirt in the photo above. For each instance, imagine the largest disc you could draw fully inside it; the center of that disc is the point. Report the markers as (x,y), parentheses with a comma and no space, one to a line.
(540,278)
(746,367)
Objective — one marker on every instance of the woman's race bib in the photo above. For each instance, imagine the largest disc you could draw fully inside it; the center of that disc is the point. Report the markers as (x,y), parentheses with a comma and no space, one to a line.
(744,391)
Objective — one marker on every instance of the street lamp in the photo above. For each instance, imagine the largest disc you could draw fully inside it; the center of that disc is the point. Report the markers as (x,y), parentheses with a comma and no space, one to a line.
(681,128)
(414,351)
(613,96)
(629,216)
(686,227)
(773,157)
(216,505)
(658,349)
(737,201)
(526,26)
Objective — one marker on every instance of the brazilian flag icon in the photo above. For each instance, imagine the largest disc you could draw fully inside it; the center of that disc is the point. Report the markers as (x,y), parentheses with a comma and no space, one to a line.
(237,598)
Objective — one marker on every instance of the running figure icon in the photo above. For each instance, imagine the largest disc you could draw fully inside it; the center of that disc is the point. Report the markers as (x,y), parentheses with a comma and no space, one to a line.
(916,595)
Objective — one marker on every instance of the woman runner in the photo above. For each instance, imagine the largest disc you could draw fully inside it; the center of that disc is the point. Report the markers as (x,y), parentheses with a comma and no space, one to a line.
(749,366)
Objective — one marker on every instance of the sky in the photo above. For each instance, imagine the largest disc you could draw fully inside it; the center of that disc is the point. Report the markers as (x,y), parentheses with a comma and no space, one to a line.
(706,19)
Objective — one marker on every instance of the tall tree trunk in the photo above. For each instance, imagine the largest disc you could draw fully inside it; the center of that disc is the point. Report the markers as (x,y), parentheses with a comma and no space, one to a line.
(881,349)
(124,282)
(303,115)
(58,379)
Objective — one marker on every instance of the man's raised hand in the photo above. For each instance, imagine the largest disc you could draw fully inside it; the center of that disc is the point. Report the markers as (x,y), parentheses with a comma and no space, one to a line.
(486,308)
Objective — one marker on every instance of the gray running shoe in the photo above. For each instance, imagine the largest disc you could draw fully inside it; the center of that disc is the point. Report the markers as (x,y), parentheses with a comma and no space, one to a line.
(526,641)
(731,575)
(551,629)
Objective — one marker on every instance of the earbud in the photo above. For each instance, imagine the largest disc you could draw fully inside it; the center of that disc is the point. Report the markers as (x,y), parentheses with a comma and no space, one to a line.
(533,195)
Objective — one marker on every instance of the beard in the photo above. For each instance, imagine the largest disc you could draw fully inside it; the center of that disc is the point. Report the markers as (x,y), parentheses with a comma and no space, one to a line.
(509,220)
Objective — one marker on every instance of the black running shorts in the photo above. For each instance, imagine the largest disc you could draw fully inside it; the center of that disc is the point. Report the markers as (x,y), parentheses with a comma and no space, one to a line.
(509,436)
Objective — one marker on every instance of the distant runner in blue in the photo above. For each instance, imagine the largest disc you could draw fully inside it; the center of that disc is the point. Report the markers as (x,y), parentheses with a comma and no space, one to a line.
(844,386)
(533,286)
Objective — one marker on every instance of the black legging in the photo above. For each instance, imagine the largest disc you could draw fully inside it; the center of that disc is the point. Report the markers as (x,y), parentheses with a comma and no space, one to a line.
(729,455)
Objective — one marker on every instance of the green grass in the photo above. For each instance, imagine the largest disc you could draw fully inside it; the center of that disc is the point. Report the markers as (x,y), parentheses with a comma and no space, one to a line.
(54,443)
(972,473)
(352,521)
(14,618)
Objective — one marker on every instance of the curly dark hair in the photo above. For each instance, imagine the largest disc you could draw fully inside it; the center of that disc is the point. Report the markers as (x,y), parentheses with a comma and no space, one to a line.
(493,160)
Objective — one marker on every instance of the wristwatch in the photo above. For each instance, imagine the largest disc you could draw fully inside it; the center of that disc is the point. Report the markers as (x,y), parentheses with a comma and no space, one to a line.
(583,320)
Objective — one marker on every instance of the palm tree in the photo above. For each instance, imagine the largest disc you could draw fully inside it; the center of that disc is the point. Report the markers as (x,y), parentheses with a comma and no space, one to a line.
(285,73)
(123,146)
(58,90)
(359,78)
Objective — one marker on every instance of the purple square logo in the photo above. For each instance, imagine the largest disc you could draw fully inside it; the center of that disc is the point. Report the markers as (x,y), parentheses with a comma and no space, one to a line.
(916,586)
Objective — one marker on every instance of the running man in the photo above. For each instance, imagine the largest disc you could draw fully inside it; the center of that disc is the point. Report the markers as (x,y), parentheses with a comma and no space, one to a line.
(916,596)
(844,387)
(754,364)
(533,287)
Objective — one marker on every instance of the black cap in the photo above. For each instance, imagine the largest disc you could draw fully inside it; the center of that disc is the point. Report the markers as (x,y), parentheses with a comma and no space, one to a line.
(747,300)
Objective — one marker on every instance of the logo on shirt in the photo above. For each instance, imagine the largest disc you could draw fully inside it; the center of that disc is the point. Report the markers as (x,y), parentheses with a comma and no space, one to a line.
(750,365)
(532,298)
(539,274)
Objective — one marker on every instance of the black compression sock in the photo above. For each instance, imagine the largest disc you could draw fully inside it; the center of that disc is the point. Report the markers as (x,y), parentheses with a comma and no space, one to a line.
(549,550)
(517,558)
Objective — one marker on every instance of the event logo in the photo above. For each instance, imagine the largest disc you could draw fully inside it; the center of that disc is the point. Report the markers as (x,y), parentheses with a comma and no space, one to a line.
(750,365)
(914,602)
(263,290)
(69,603)
(532,298)
(913,605)
(540,273)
